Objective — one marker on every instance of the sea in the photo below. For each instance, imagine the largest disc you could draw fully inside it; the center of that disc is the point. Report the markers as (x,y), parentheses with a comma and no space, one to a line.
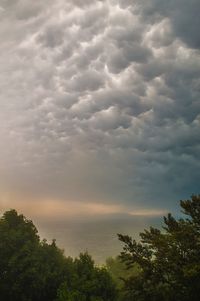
(96,236)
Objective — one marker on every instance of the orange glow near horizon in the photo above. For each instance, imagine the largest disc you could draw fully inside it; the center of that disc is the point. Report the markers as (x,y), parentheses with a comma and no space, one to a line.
(59,208)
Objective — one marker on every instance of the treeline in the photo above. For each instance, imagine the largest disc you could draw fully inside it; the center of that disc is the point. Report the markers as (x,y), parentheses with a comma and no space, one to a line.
(33,270)
(163,265)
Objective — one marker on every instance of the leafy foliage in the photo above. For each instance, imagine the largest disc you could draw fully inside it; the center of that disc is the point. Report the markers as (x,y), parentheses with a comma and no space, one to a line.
(90,283)
(33,270)
(169,260)
(163,265)
(118,270)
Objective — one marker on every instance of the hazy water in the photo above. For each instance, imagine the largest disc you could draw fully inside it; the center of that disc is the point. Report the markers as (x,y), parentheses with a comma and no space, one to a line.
(98,237)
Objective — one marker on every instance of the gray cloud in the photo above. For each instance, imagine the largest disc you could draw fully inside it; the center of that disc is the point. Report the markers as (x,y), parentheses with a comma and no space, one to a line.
(183,15)
(100,100)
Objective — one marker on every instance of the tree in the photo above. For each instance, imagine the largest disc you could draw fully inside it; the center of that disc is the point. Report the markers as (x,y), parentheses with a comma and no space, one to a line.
(118,270)
(33,270)
(169,259)
(30,269)
(119,273)
(89,283)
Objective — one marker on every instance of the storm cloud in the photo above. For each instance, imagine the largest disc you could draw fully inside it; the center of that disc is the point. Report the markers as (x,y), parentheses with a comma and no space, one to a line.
(100,101)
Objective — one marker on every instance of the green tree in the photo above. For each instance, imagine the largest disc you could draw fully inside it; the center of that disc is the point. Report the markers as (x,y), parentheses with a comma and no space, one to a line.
(169,259)
(33,270)
(29,269)
(89,283)
(118,270)
(119,273)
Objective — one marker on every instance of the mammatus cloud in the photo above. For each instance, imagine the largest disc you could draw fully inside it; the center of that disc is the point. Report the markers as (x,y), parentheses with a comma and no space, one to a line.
(100,101)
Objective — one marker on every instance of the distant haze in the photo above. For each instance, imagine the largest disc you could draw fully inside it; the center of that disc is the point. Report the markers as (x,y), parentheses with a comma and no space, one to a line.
(98,237)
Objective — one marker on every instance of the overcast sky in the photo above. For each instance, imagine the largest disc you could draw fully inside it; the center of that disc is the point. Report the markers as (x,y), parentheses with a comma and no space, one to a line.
(99,105)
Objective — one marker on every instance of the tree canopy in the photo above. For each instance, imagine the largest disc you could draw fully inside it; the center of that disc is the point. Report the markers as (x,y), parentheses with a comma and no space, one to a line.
(33,270)
(90,283)
(163,265)
(169,259)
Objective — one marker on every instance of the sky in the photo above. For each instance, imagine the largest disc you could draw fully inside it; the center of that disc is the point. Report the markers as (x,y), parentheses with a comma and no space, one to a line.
(99,106)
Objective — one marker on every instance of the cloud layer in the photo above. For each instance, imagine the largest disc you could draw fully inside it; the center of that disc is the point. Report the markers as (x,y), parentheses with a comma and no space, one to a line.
(100,100)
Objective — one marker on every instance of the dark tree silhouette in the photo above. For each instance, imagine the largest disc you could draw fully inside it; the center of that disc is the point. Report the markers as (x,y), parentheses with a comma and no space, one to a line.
(33,270)
(169,259)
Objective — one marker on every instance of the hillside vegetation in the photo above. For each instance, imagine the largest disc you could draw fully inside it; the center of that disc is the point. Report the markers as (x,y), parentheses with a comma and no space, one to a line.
(163,265)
